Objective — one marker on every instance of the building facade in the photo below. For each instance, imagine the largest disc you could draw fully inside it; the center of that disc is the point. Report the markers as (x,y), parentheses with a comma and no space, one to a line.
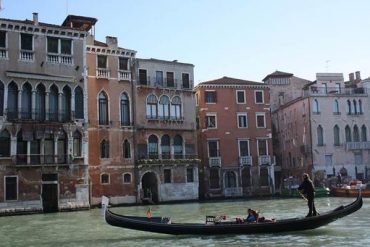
(165,131)
(43,153)
(111,126)
(234,138)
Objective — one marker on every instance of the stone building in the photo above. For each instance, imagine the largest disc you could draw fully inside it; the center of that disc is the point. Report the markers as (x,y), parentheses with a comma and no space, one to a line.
(234,138)
(165,131)
(43,142)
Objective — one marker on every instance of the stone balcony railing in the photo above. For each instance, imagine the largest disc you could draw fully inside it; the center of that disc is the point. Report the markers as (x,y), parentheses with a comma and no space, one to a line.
(214,161)
(245,160)
(357,145)
(124,75)
(26,56)
(102,73)
(264,160)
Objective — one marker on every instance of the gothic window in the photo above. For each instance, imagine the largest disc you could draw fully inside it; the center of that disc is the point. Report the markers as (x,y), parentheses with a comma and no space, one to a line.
(40,103)
(178,146)
(151,107)
(4,143)
(77,144)
(348,134)
(26,108)
(176,107)
(164,107)
(53,103)
(320,136)
(336,136)
(12,111)
(125,110)
(153,147)
(79,103)
(104,149)
(165,147)
(103,109)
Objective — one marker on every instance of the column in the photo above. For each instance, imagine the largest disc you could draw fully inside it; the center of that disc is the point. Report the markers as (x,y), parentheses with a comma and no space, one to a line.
(47,106)
(33,116)
(60,107)
(19,104)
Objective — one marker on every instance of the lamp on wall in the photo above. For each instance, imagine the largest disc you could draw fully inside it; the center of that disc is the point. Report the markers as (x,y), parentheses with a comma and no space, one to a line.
(42,63)
(77,67)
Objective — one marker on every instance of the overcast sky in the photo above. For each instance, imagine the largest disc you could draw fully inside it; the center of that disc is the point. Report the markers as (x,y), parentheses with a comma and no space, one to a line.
(237,38)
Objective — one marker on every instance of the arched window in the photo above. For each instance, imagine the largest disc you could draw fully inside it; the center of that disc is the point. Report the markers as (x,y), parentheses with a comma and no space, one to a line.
(363,133)
(126,149)
(151,107)
(360,107)
(4,144)
(26,108)
(349,111)
(165,147)
(230,179)
(103,109)
(62,148)
(40,103)
(176,107)
(336,107)
(315,107)
(153,147)
(164,107)
(320,136)
(104,149)
(79,103)
(347,131)
(125,110)
(127,178)
(104,178)
(354,107)
(178,147)
(356,134)
(53,103)
(77,144)
(336,136)
(1,99)
(12,111)
(66,104)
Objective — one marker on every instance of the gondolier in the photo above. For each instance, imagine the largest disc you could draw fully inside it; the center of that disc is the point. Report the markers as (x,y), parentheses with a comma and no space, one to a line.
(308,190)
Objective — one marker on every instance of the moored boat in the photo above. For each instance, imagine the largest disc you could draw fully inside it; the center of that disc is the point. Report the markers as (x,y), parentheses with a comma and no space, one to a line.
(351,191)
(166,226)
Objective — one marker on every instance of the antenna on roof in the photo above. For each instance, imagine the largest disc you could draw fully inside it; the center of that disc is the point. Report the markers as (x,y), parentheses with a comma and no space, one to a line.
(327,65)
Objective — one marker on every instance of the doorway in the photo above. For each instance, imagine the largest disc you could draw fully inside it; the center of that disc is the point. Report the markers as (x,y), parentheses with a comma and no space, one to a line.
(49,193)
(149,185)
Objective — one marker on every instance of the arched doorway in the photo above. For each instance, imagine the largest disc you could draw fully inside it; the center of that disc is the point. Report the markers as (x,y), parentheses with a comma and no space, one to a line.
(149,186)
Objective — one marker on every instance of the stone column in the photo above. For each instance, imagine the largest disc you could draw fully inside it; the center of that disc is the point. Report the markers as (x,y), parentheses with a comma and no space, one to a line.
(33,115)
(19,104)
(47,106)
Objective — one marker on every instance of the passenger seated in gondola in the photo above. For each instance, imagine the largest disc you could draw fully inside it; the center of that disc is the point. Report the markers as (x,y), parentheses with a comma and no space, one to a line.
(252,216)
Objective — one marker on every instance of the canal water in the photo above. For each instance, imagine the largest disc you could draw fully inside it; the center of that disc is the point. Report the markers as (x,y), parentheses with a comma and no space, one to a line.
(87,228)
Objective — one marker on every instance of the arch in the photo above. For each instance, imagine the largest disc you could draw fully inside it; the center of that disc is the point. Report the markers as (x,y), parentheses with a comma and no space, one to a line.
(151,107)
(79,103)
(66,104)
(12,110)
(62,145)
(4,143)
(149,187)
(349,110)
(53,103)
(356,134)
(363,133)
(336,135)
(347,131)
(316,108)
(104,149)
(178,147)
(165,147)
(354,107)
(360,111)
(103,108)
(176,107)
(164,107)
(153,147)
(126,149)
(40,102)
(1,98)
(335,107)
(77,144)
(320,136)
(230,179)
(125,110)
(26,101)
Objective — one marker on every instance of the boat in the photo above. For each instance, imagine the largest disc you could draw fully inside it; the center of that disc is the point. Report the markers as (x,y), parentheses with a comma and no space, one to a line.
(214,227)
(351,190)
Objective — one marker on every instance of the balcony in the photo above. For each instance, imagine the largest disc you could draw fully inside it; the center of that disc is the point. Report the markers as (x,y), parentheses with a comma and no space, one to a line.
(187,85)
(102,73)
(245,160)
(168,159)
(333,91)
(27,56)
(264,160)
(41,160)
(357,145)
(214,161)
(59,58)
(124,75)
(24,115)
(3,53)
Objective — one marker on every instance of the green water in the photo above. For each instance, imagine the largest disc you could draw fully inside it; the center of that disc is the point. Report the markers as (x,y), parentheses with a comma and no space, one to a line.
(87,228)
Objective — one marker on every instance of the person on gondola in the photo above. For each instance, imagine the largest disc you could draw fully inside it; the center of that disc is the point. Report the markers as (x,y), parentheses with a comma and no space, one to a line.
(252,216)
(308,190)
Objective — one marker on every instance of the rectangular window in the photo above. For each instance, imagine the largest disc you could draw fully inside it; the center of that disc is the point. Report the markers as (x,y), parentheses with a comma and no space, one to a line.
(2,39)
(240,97)
(211,121)
(242,120)
(213,148)
(170,79)
(328,160)
(102,62)
(66,46)
(190,175)
(167,176)
(11,188)
(52,45)
(210,96)
(26,42)
(185,80)
(244,148)
(159,77)
(123,63)
(262,147)
(143,80)
(259,97)
(260,120)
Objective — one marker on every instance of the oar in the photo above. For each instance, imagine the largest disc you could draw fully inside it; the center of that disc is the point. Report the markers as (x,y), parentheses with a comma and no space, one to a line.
(303,197)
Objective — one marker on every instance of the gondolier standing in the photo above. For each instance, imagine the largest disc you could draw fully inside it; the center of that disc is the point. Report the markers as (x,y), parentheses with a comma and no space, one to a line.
(308,190)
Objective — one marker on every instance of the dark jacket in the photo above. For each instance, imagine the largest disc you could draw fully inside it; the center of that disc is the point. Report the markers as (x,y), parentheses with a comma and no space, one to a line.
(307,187)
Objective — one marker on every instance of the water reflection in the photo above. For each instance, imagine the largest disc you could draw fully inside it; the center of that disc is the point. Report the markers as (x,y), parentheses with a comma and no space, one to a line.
(87,228)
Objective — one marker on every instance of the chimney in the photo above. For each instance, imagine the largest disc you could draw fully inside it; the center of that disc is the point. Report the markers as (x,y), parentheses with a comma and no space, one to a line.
(35,18)
(351,77)
(111,41)
(358,76)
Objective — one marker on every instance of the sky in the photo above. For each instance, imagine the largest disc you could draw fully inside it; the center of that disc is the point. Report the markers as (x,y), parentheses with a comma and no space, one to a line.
(245,39)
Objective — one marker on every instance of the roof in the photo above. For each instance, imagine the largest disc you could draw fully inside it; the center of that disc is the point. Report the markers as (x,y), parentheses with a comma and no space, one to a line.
(79,22)
(278,73)
(230,81)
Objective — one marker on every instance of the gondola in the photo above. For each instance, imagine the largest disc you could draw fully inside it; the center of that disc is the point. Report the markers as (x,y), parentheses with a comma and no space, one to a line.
(164,225)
